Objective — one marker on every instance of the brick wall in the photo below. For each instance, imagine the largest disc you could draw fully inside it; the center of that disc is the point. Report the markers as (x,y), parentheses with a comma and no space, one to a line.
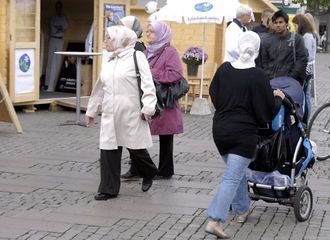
(3,40)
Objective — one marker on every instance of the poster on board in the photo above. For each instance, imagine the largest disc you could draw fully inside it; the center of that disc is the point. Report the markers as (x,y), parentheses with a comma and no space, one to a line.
(24,70)
(112,14)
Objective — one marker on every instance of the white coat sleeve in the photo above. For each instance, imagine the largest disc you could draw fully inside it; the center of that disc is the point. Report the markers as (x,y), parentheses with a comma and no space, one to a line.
(231,43)
(95,100)
(147,85)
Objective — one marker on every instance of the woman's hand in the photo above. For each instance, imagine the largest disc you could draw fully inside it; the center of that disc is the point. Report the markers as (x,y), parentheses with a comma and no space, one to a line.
(279,93)
(146,117)
(89,121)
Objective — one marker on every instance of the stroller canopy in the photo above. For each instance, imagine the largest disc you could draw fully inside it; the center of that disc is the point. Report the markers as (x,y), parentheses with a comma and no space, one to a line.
(293,89)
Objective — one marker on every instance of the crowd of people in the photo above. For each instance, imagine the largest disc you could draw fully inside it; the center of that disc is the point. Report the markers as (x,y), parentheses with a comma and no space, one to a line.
(240,91)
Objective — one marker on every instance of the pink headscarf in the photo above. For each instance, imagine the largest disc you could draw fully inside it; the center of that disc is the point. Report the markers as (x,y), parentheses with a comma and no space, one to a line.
(163,34)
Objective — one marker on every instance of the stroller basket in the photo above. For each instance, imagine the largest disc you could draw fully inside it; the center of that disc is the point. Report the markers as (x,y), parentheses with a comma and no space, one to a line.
(269,185)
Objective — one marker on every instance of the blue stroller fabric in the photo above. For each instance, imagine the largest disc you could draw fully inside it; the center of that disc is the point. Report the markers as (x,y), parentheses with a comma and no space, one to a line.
(292,89)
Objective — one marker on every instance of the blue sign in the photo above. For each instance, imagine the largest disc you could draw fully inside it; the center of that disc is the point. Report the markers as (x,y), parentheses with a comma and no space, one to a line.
(24,63)
(203,7)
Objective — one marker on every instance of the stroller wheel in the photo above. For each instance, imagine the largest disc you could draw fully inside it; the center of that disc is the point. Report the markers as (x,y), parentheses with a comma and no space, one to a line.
(303,203)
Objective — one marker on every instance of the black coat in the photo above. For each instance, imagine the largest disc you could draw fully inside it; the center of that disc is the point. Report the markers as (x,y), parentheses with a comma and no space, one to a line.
(243,100)
(277,56)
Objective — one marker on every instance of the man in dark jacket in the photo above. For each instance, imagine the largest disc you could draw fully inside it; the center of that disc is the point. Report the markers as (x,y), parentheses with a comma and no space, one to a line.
(265,21)
(282,52)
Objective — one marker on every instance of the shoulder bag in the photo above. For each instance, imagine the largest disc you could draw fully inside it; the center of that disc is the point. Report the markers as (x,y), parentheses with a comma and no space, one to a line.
(172,91)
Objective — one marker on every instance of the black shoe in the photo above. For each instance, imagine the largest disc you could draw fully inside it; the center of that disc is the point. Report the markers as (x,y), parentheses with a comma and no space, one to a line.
(146,184)
(103,196)
(158,177)
(130,175)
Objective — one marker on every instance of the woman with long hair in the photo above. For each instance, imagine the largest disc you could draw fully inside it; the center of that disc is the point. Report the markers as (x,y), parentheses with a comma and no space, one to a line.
(304,27)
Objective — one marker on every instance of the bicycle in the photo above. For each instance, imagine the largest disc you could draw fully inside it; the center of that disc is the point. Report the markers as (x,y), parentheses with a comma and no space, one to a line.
(319,131)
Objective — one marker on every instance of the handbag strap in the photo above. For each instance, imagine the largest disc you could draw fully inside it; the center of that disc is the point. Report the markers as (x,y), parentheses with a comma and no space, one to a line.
(293,39)
(151,67)
(138,76)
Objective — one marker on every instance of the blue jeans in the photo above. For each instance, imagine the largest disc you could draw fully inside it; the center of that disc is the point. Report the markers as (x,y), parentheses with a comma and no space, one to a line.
(308,98)
(232,190)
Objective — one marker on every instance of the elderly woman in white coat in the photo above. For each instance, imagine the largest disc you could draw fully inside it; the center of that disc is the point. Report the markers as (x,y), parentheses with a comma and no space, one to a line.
(117,93)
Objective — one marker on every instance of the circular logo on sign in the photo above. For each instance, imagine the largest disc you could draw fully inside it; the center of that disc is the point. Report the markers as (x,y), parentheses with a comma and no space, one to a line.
(203,7)
(24,62)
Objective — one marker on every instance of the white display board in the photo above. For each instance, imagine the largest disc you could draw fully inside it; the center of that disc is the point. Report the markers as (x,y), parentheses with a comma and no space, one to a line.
(24,70)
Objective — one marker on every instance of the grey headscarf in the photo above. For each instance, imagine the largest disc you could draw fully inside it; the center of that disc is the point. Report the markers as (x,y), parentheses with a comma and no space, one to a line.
(132,23)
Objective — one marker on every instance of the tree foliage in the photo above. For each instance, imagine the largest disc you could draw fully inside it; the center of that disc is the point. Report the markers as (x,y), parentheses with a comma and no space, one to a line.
(316,6)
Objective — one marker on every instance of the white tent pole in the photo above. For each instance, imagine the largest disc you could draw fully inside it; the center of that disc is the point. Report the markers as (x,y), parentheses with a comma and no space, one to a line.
(203,56)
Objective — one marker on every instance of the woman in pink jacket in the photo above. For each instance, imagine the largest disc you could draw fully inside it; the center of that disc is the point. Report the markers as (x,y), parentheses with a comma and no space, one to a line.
(165,65)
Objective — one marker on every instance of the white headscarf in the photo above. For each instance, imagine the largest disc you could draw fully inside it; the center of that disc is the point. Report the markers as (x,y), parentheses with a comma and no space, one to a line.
(123,38)
(248,48)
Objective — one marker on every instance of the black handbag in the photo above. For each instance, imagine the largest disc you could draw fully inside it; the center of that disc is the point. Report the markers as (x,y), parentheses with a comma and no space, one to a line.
(159,104)
(171,92)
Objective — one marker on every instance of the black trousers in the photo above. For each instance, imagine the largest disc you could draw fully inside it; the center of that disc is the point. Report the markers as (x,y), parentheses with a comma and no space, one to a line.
(166,165)
(110,166)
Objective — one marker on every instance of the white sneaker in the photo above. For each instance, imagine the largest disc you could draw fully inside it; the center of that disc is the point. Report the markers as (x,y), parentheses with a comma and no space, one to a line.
(216,229)
(241,218)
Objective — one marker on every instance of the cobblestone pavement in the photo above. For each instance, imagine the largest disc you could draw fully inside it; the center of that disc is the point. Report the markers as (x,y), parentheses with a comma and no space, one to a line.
(49,174)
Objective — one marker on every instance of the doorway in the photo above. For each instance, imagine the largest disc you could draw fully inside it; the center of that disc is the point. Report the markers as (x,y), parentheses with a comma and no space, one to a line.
(79,18)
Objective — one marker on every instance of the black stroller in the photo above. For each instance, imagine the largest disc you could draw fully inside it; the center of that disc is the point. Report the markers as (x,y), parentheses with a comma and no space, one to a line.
(284,155)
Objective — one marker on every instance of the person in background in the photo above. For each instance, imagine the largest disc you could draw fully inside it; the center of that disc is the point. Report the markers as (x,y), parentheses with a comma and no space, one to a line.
(304,27)
(264,28)
(117,92)
(244,15)
(58,25)
(266,18)
(315,31)
(166,68)
(243,100)
(89,39)
(133,23)
(282,52)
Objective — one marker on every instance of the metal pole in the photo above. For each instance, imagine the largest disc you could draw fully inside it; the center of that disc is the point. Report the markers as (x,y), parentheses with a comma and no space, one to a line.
(78,86)
(203,56)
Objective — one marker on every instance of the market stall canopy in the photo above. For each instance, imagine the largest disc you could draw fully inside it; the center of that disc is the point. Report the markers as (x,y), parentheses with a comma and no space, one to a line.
(197,11)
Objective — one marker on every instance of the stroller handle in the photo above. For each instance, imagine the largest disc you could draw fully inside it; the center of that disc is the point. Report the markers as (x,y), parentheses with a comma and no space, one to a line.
(288,103)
